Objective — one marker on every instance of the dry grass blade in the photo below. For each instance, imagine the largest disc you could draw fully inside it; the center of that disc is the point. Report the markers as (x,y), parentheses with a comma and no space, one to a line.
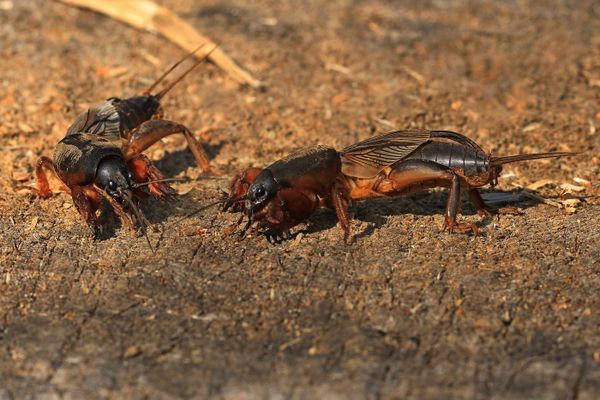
(147,15)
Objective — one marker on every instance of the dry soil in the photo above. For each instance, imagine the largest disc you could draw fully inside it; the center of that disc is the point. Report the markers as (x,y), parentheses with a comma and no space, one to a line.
(406,311)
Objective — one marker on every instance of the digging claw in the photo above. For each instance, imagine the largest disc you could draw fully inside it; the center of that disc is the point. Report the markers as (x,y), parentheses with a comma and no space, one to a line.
(271,238)
(277,237)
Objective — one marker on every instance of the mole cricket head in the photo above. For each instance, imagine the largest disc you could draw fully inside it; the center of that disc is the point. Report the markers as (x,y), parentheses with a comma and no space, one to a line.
(263,189)
(114,178)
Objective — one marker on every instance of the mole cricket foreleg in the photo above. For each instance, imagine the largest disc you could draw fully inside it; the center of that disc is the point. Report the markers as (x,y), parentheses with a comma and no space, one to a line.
(144,171)
(87,200)
(238,188)
(288,208)
(125,217)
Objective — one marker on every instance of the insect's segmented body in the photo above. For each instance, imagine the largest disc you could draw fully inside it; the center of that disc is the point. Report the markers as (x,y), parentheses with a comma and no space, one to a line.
(288,191)
(315,168)
(430,161)
(134,111)
(392,164)
(471,162)
(101,154)
(116,117)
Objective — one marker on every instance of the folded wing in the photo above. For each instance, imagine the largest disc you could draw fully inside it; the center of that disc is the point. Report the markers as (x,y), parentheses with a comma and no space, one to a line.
(367,158)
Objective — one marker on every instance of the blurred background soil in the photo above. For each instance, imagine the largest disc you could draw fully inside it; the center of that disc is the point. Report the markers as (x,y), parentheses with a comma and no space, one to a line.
(407,310)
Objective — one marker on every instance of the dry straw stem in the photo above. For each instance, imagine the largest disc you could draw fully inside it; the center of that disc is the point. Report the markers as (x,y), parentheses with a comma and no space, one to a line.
(147,15)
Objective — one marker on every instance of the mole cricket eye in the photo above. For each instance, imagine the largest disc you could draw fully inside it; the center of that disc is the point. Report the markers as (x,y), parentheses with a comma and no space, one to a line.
(260,192)
(112,185)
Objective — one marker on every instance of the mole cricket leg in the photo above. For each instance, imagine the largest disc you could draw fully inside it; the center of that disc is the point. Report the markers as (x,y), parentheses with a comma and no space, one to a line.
(152,131)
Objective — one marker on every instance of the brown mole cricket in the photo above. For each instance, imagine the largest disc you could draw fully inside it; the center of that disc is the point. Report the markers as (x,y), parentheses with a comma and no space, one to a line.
(101,154)
(288,191)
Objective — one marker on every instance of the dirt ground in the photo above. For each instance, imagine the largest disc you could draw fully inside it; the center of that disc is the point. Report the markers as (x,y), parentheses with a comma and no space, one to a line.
(406,311)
